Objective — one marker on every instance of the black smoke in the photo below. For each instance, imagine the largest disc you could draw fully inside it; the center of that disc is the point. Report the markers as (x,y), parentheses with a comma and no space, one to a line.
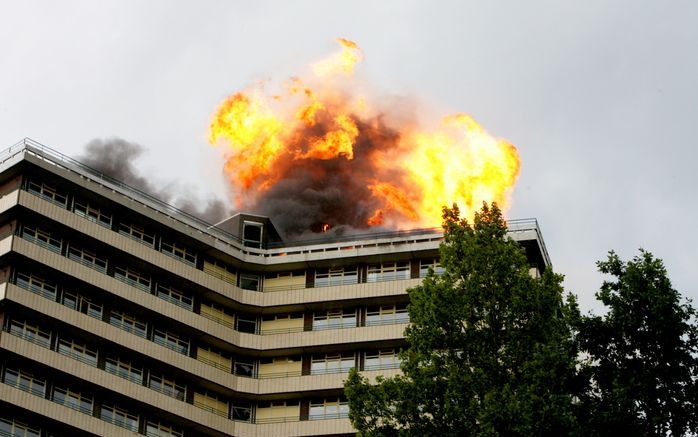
(310,192)
(115,157)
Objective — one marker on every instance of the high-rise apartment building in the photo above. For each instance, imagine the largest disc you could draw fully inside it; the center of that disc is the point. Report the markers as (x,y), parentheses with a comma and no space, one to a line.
(121,315)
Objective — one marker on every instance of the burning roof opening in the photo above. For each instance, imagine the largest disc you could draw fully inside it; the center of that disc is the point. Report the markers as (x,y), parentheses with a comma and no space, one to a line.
(320,155)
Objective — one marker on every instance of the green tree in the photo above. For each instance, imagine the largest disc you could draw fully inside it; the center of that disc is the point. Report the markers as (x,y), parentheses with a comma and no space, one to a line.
(642,355)
(490,350)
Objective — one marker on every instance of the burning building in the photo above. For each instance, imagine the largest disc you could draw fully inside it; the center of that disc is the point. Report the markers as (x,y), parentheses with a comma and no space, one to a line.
(323,150)
(121,314)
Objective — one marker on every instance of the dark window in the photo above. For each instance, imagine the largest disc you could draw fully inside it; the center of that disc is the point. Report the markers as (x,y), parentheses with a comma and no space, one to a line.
(252,234)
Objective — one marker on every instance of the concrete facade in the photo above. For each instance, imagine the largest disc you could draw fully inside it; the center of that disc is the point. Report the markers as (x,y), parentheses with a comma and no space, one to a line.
(123,315)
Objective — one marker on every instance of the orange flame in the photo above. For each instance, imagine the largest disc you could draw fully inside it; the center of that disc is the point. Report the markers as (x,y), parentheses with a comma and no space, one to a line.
(409,173)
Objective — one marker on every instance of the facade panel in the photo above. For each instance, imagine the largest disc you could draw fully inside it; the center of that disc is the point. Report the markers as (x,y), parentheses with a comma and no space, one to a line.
(123,315)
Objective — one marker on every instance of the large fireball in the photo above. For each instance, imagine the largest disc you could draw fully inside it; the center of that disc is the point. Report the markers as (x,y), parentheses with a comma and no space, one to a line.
(317,153)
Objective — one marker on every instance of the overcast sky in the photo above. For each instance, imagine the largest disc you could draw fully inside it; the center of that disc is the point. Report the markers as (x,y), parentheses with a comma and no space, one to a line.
(600,97)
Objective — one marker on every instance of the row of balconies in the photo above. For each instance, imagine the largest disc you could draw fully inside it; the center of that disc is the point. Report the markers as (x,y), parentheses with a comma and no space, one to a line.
(24,375)
(245,280)
(209,277)
(91,304)
(306,370)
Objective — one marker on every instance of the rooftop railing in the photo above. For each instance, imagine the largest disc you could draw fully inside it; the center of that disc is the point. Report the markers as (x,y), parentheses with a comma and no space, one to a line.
(325,242)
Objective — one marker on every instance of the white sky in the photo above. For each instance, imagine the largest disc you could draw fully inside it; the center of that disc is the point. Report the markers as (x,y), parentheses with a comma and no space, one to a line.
(600,97)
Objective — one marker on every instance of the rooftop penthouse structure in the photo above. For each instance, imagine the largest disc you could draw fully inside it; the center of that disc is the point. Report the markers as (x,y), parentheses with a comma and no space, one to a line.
(121,314)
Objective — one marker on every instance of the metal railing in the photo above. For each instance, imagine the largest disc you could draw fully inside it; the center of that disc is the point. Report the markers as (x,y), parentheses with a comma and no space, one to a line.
(54,157)
(83,358)
(211,409)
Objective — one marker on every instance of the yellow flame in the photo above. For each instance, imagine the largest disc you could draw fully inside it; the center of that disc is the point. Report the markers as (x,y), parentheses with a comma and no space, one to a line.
(341,62)
(457,161)
(461,163)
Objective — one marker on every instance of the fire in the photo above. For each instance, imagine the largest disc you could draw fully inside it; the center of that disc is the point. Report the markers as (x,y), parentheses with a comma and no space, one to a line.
(319,154)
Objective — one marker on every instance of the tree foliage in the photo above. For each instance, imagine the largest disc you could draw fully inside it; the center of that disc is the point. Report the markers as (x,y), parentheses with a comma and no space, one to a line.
(642,355)
(493,351)
(490,348)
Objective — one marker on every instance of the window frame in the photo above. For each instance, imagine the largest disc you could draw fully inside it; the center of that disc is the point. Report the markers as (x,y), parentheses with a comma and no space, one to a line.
(36,284)
(25,381)
(78,350)
(92,213)
(47,192)
(172,341)
(129,323)
(339,318)
(79,399)
(388,271)
(124,369)
(137,233)
(33,333)
(133,278)
(336,276)
(118,415)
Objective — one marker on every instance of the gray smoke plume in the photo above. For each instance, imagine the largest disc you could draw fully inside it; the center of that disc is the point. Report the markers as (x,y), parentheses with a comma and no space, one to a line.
(310,192)
(115,157)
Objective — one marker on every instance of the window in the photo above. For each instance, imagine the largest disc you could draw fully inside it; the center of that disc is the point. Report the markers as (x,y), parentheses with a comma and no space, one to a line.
(132,278)
(178,251)
(30,332)
(48,192)
(87,258)
(174,296)
(137,233)
(213,357)
(92,213)
(69,299)
(390,271)
(333,408)
(241,411)
(128,323)
(277,411)
(331,363)
(336,276)
(37,285)
(172,341)
(249,281)
(252,234)
(334,319)
(279,367)
(13,428)
(220,270)
(280,281)
(87,306)
(167,386)
(159,429)
(211,402)
(73,399)
(382,359)
(25,381)
(281,323)
(78,351)
(124,369)
(45,239)
(217,313)
(387,314)
(119,417)
(244,368)
(246,324)
(83,304)
(433,263)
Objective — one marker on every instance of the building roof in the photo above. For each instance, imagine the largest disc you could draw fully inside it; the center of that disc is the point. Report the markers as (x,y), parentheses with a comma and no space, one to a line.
(526,231)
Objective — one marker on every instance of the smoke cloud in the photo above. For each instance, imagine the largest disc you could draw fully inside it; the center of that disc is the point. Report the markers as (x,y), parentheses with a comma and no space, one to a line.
(310,192)
(115,157)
